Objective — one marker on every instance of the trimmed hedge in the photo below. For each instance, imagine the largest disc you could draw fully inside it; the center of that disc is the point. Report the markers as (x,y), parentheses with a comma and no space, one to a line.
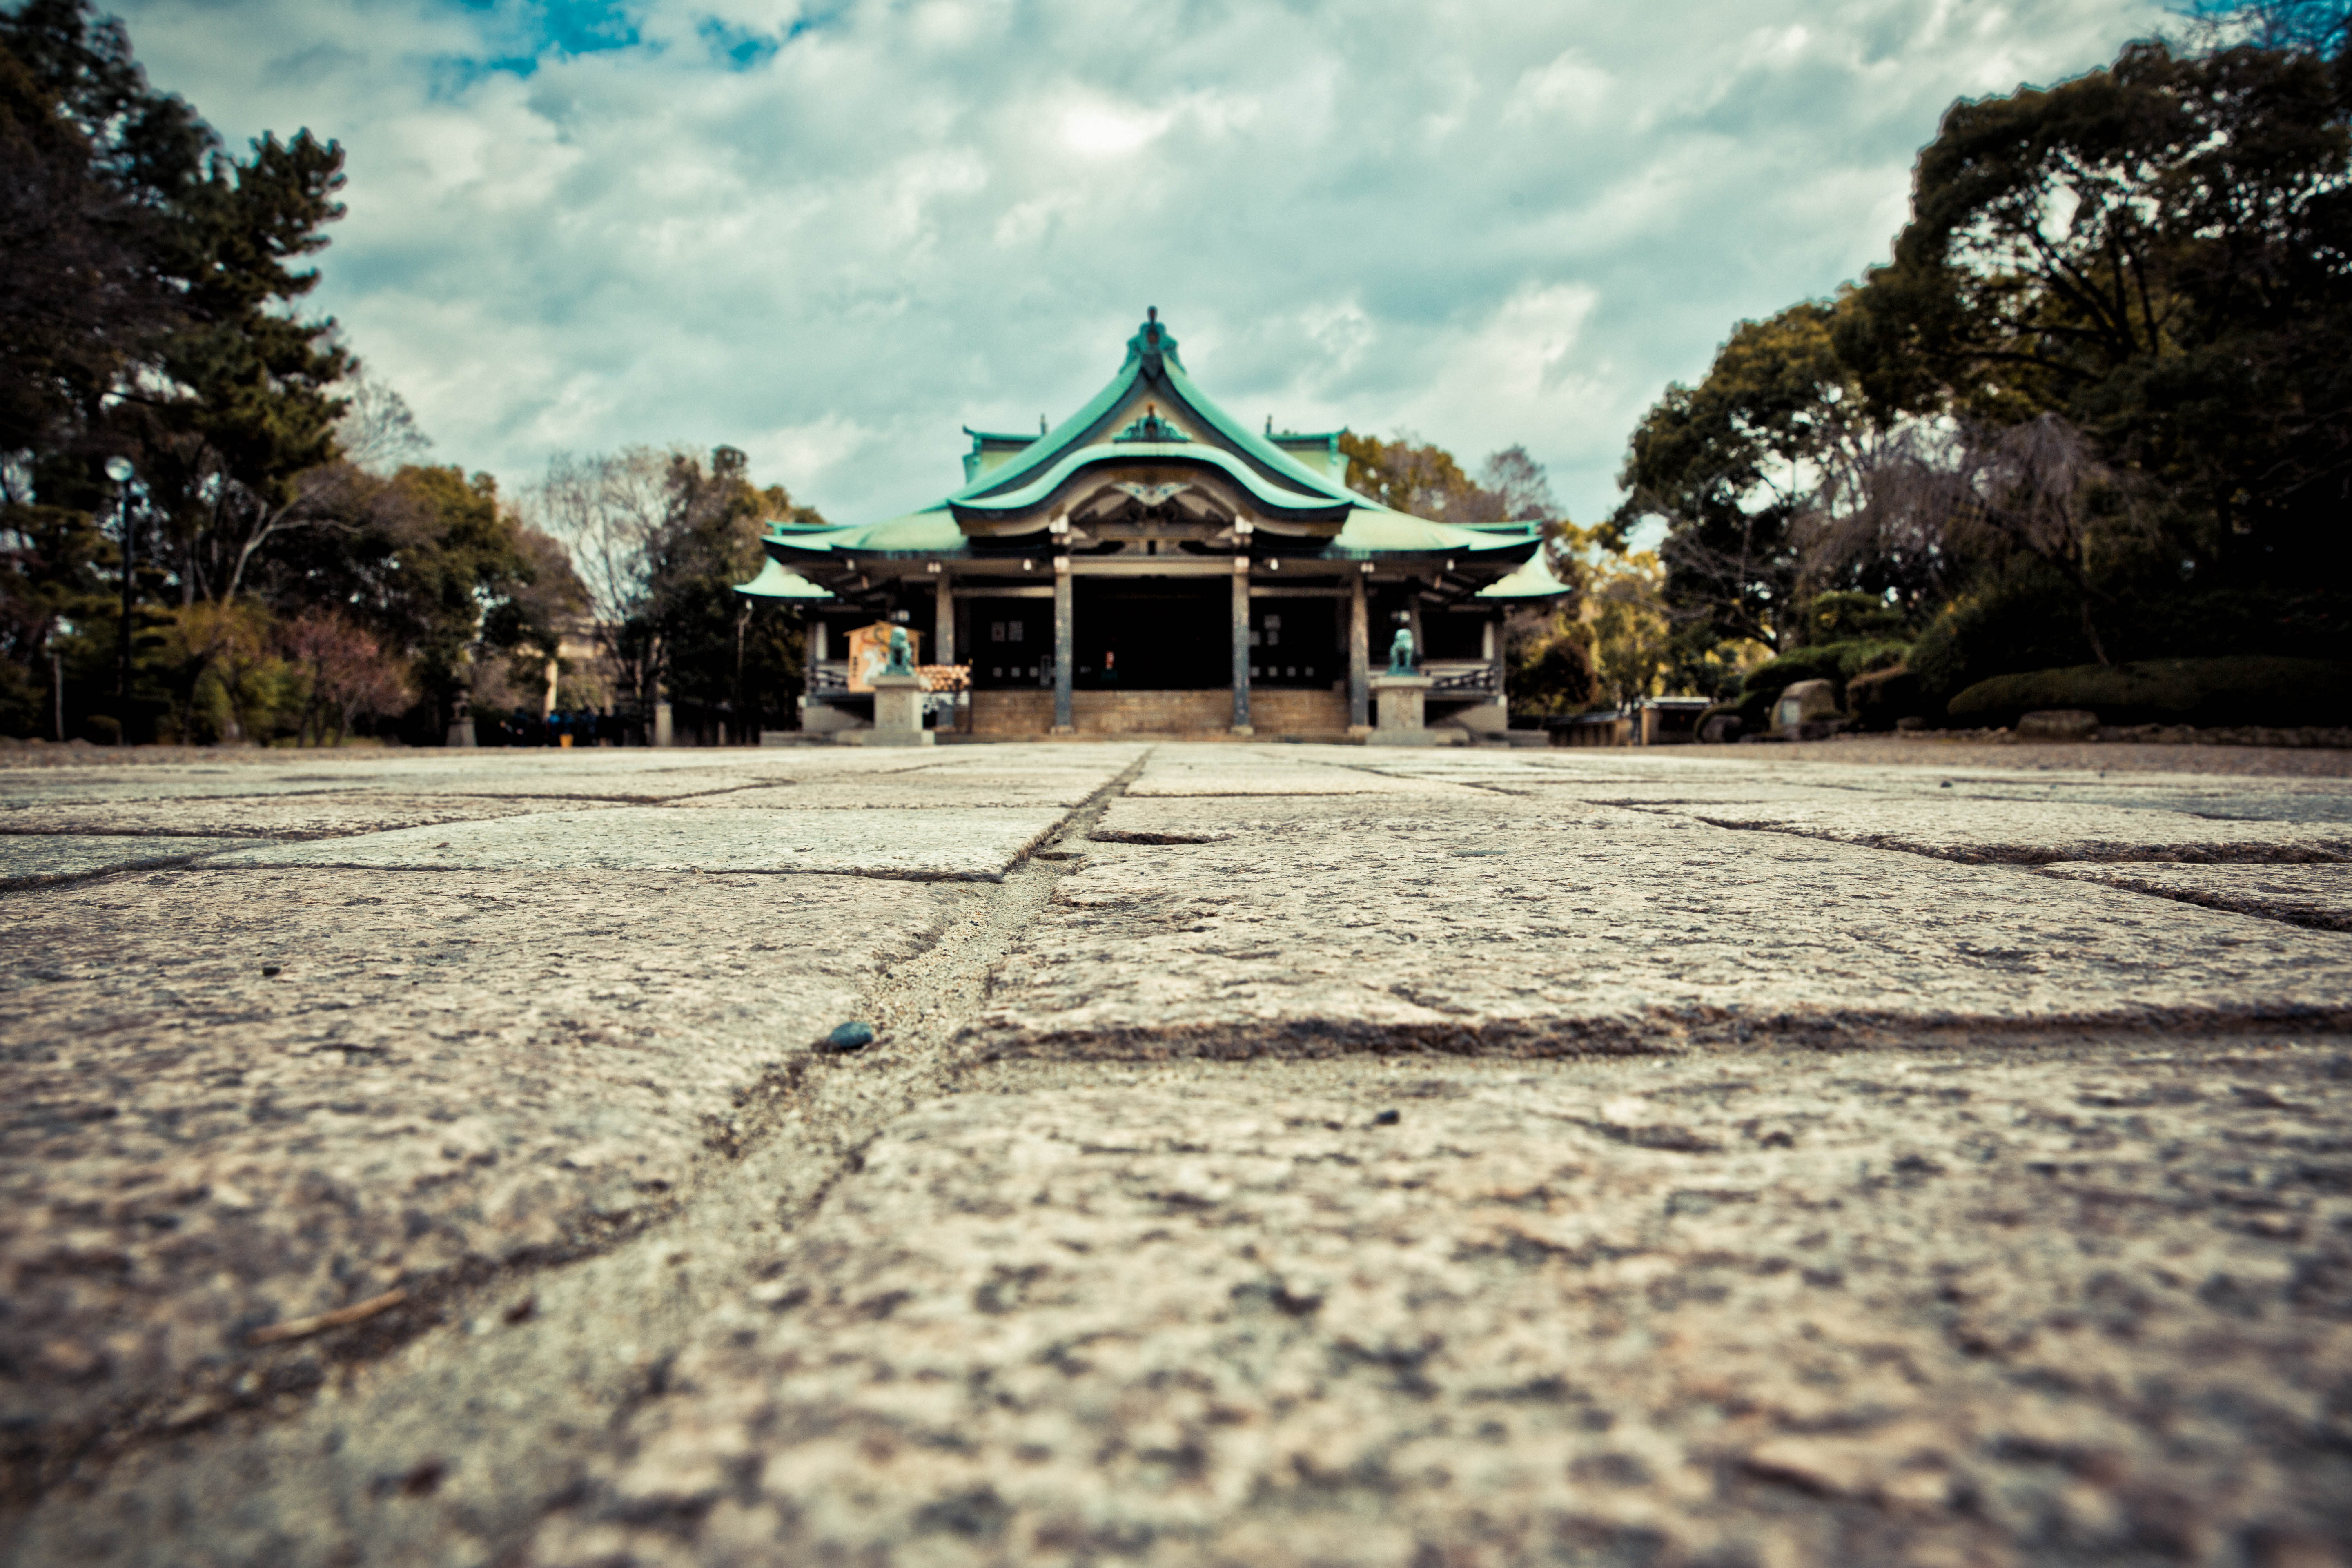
(2244,688)
(1836,662)
(1876,699)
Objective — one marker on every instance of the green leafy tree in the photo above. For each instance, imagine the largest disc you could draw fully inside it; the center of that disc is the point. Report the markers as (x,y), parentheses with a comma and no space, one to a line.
(1406,474)
(1744,468)
(722,653)
(1424,480)
(2106,378)
(2159,255)
(660,539)
(152,310)
(93,167)
(162,312)
(251,402)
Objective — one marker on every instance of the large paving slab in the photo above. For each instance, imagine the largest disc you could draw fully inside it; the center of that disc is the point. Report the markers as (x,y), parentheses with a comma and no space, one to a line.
(29,860)
(2318,896)
(616,774)
(1672,776)
(2240,799)
(1965,1308)
(1313,926)
(1661,1193)
(921,791)
(2033,833)
(934,789)
(976,843)
(2000,1303)
(323,815)
(237,1102)
(1181,772)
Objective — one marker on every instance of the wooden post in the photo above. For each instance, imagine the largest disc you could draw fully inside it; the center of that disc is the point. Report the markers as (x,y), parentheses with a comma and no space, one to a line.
(1359,656)
(1241,646)
(1065,644)
(943,627)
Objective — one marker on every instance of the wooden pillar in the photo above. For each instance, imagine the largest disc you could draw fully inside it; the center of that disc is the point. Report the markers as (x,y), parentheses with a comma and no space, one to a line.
(1359,655)
(943,627)
(1065,642)
(1241,646)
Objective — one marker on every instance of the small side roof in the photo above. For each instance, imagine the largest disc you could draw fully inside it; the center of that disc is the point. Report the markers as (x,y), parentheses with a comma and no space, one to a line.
(931,531)
(1377,530)
(1533,580)
(775,582)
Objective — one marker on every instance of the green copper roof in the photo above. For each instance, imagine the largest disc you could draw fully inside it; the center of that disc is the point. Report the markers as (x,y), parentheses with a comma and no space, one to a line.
(775,583)
(1040,485)
(931,531)
(1142,414)
(1533,580)
(1376,530)
(1153,365)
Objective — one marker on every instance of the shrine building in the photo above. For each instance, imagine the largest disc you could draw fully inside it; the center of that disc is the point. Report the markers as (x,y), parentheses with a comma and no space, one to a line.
(1153,565)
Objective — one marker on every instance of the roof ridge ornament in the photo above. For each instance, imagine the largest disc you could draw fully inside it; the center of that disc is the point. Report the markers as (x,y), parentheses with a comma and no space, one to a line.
(1151,427)
(1153,344)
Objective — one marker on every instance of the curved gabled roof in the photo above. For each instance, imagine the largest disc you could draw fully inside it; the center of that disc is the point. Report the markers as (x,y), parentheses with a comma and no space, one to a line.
(1275,497)
(1272,475)
(1122,424)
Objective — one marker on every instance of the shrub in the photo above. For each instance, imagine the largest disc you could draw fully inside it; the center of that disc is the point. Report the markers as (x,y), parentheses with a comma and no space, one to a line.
(2024,619)
(1719,710)
(1550,678)
(1879,697)
(1837,662)
(2242,688)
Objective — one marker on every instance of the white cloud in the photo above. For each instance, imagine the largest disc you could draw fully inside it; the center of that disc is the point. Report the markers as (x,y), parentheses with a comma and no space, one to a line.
(1095,128)
(1568,87)
(1488,221)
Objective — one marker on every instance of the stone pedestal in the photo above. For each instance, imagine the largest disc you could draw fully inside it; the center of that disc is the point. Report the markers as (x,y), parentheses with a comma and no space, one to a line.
(1399,700)
(665,733)
(897,713)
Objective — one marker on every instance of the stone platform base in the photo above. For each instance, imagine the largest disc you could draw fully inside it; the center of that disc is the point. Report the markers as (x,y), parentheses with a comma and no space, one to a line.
(883,738)
(1025,714)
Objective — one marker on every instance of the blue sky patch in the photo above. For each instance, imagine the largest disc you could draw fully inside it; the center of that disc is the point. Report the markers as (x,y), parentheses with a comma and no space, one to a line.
(739,48)
(567,27)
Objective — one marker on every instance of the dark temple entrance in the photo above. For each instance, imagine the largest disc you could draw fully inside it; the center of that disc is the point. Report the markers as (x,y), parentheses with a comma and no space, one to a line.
(1152,634)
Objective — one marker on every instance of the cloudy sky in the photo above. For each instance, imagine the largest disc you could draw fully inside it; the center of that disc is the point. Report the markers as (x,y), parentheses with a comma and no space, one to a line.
(831,232)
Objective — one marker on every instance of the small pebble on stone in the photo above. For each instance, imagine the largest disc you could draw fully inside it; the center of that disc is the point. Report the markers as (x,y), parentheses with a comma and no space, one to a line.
(267,970)
(1385,1118)
(850,1037)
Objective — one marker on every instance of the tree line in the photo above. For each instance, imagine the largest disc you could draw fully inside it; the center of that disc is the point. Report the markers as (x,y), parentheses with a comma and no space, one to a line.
(2093,409)
(2096,407)
(214,525)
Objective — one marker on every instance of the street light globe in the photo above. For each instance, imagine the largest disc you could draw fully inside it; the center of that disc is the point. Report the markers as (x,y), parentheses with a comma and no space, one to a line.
(119,470)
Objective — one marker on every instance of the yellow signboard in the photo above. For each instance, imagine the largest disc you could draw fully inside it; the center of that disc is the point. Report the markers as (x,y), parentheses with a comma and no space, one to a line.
(869,653)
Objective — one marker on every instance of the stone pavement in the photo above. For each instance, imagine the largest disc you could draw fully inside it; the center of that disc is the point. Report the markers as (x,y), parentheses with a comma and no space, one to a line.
(1268,1155)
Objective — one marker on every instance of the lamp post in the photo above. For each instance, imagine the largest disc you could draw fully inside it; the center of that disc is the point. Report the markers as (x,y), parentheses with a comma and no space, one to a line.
(119,470)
